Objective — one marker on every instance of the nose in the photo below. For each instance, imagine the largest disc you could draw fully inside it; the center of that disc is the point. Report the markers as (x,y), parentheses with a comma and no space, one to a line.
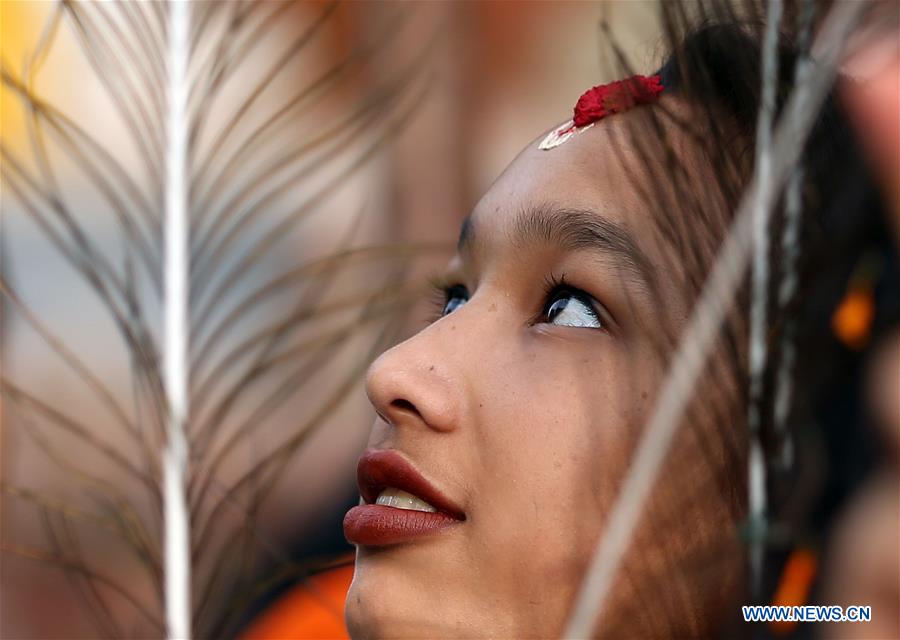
(416,384)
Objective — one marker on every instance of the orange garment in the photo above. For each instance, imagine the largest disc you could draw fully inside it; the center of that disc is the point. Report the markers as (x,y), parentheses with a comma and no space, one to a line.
(794,586)
(852,320)
(313,610)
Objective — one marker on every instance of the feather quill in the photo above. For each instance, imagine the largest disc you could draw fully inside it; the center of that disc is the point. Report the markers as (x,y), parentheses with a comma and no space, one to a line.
(762,208)
(175,377)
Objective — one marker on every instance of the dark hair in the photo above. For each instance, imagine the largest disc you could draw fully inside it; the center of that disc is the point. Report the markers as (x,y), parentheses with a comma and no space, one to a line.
(716,69)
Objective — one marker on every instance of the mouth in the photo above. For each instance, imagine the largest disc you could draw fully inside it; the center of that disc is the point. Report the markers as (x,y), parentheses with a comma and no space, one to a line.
(399,504)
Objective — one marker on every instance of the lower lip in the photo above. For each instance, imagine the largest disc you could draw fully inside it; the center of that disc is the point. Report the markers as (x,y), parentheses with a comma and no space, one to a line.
(375,525)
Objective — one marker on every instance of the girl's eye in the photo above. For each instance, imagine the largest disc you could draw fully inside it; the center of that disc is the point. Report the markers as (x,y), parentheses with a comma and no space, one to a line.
(454,297)
(570,308)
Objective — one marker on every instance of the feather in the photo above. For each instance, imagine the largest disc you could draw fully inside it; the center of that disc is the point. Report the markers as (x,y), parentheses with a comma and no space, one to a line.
(230,142)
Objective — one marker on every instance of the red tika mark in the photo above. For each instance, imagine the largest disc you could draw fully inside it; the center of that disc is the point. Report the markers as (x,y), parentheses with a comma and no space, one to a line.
(616,97)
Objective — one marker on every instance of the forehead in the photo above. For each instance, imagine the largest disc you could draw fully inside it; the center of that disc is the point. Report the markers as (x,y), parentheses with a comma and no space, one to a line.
(596,170)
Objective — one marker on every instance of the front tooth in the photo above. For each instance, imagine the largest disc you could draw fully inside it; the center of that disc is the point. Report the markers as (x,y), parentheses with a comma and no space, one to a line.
(400,499)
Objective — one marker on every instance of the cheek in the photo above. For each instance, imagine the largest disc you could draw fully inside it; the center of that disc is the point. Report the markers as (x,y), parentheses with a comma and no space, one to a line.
(554,448)
(563,420)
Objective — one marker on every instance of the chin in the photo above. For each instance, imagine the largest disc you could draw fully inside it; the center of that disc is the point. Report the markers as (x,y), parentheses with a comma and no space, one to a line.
(386,601)
(368,624)
(371,614)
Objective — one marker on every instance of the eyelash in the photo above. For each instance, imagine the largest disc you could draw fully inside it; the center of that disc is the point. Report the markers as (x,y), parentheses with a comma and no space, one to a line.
(554,286)
(443,291)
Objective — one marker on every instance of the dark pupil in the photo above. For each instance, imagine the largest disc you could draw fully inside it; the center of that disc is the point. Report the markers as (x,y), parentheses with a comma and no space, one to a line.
(453,304)
(556,307)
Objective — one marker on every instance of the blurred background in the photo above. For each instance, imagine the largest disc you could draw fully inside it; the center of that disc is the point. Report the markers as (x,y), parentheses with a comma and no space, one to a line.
(362,130)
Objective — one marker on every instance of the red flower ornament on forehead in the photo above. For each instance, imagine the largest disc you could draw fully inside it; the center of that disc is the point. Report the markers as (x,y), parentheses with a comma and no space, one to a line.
(603,100)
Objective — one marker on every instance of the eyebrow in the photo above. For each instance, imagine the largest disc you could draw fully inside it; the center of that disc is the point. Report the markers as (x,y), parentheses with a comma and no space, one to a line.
(571,229)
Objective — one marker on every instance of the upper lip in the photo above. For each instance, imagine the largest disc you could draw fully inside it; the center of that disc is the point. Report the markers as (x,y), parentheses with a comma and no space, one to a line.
(379,469)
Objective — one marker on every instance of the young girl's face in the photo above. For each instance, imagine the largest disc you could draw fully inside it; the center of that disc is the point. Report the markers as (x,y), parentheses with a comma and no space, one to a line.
(518,410)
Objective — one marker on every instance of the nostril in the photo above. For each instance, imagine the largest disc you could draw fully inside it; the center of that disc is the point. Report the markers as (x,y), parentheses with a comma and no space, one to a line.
(404,405)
